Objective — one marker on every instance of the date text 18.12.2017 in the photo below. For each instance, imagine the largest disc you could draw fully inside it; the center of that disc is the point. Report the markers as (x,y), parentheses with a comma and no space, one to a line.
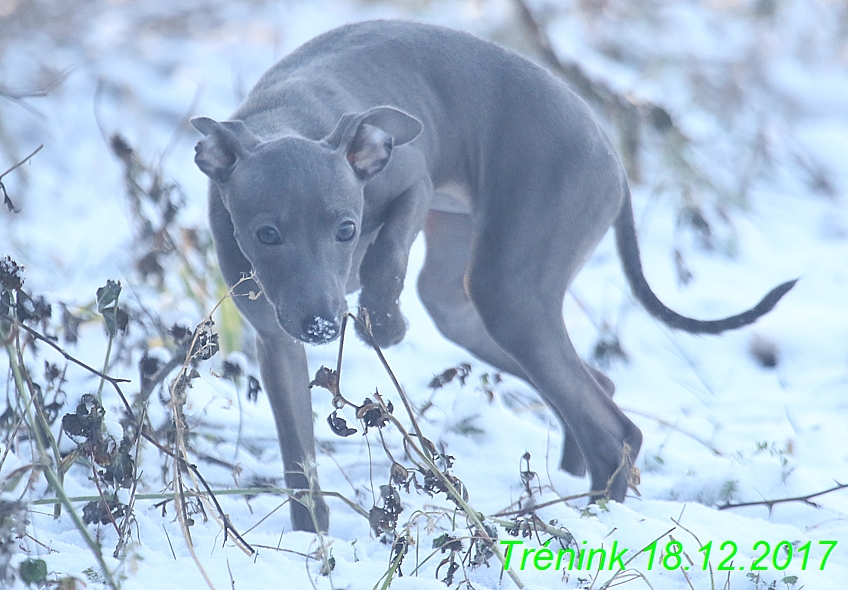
(767,556)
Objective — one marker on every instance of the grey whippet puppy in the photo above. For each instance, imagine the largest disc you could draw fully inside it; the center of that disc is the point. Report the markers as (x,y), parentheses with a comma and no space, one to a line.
(350,146)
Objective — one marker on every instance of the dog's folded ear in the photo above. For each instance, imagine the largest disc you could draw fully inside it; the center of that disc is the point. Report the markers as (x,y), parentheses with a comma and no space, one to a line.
(225,143)
(367,139)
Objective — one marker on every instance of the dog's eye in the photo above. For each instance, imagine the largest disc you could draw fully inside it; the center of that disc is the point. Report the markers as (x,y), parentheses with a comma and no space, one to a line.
(268,236)
(346,231)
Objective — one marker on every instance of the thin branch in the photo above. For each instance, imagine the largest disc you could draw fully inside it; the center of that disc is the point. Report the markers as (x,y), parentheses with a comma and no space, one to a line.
(51,476)
(594,92)
(395,382)
(22,162)
(18,97)
(7,200)
(625,113)
(532,509)
(770,503)
(624,464)
(38,336)
(145,433)
(667,424)
(424,453)
(160,375)
(180,454)
(183,124)
(270,491)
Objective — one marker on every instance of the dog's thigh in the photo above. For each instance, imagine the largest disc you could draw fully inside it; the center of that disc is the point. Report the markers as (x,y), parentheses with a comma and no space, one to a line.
(442,289)
(441,286)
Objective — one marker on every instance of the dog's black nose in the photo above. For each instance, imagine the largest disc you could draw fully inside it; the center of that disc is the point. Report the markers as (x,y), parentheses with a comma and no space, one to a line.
(320,330)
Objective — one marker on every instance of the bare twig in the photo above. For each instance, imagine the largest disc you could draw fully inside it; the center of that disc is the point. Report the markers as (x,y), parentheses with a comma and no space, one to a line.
(270,491)
(667,424)
(51,475)
(160,375)
(22,162)
(534,507)
(181,126)
(38,336)
(7,201)
(181,453)
(19,97)
(770,503)
(395,382)
(421,449)
(222,518)
(626,463)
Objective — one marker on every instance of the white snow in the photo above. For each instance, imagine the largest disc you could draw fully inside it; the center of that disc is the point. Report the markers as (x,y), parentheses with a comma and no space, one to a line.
(718,427)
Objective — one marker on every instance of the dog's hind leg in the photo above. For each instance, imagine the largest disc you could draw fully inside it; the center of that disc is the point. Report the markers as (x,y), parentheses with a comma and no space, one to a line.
(441,286)
(521,265)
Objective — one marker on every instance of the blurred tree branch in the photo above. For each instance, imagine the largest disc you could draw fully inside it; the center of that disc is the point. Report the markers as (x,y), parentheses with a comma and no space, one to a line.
(628,115)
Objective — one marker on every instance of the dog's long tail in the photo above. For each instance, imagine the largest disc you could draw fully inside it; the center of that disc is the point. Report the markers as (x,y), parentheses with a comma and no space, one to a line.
(628,250)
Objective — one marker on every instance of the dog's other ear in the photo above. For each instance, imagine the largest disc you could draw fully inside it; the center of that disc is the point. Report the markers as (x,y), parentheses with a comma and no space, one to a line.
(225,143)
(367,139)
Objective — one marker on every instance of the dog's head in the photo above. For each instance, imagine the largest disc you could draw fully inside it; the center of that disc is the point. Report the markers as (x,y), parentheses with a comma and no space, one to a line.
(296,207)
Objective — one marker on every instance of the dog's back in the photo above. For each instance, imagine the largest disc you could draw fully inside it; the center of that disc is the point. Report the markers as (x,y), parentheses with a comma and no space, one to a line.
(478,102)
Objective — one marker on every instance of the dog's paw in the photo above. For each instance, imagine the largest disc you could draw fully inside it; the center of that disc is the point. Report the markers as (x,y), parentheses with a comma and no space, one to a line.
(387,327)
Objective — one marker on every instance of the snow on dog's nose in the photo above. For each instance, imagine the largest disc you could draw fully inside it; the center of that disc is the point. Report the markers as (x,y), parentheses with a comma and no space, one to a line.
(320,330)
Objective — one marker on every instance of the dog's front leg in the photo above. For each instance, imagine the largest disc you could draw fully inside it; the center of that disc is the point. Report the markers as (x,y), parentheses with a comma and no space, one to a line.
(282,362)
(383,267)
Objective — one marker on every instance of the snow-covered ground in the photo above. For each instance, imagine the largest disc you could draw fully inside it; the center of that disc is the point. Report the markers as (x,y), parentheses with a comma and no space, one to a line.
(758,88)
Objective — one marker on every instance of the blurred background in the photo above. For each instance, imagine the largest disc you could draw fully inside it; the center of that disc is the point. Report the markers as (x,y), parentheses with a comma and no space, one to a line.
(731,117)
